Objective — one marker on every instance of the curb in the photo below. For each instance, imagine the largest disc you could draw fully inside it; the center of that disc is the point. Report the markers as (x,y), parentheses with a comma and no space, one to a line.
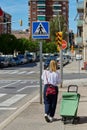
(15,114)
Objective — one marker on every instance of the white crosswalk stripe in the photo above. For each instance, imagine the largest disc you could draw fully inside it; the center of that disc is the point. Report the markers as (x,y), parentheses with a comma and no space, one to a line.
(31,72)
(14,72)
(2,94)
(22,72)
(8,108)
(11,72)
(12,100)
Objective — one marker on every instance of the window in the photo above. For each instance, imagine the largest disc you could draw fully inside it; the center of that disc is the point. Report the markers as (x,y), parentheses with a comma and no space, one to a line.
(41,18)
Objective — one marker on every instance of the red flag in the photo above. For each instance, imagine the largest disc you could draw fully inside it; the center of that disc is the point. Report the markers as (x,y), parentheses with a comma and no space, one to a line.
(1,12)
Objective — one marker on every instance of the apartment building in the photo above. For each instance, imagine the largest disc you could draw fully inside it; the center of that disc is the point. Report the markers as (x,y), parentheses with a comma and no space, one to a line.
(81,38)
(5,22)
(45,10)
(85,31)
(80,17)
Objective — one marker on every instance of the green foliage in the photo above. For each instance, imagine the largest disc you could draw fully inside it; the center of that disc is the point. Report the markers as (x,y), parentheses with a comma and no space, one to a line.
(49,47)
(9,43)
(57,24)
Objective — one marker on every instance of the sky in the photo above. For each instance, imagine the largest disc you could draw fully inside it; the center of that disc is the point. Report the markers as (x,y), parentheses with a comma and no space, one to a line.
(18,9)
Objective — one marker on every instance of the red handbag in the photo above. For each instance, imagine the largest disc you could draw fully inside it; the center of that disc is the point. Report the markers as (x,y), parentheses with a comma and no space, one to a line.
(50,90)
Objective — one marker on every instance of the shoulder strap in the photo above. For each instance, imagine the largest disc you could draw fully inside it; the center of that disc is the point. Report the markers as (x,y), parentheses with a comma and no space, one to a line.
(46,76)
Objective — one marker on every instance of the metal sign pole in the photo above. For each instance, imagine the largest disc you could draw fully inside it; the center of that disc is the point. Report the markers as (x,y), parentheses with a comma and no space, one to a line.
(40,30)
(40,72)
(61,57)
(61,67)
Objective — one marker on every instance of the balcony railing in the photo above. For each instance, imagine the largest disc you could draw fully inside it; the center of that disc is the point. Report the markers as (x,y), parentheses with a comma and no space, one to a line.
(80,5)
(79,40)
(79,23)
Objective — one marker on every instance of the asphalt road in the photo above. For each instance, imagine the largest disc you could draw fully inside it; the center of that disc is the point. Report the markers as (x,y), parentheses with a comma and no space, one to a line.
(18,85)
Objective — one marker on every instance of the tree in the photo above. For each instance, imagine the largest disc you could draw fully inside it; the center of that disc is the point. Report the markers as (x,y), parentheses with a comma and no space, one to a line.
(8,43)
(57,24)
(49,47)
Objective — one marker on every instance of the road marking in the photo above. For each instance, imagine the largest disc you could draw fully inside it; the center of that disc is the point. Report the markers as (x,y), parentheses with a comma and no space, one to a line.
(12,100)
(2,94)
(31,72)
(10,84)
(14,72)
(8,108)
(15,114)
(22,88)
(4,72)
(22,72)
(17,72)
(32,86)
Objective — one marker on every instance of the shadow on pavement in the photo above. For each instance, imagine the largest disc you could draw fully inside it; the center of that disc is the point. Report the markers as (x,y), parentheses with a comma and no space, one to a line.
(83,120)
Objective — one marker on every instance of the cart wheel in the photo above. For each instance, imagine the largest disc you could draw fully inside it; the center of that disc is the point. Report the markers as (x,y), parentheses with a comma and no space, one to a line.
(64,122)
(63,119)
(76,120)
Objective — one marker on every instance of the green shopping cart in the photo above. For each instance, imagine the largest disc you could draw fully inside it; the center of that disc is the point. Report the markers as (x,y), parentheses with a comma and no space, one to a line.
(69,105)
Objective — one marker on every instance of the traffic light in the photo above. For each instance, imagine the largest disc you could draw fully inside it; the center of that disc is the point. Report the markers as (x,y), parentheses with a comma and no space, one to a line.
(72,48)
(21,23)
(58,48)
(71,37)
(59,38)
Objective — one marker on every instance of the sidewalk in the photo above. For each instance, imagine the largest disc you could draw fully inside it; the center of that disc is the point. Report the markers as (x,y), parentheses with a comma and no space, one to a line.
(32,118)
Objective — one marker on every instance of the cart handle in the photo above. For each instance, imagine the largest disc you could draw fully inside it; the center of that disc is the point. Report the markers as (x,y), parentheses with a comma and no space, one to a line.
(74,86)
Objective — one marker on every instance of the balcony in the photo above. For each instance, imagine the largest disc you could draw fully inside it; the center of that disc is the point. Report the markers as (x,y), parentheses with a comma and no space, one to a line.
(79,23)
(80,6)
(42,8)
(79,40)
(41,18)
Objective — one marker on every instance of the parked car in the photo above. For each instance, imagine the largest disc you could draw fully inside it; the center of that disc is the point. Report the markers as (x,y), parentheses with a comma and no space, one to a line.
(23,59)
(17,60)
(3,62)
(45,56)
(11,61)
(47,62)
(29,57)
(78,57)
(65,61)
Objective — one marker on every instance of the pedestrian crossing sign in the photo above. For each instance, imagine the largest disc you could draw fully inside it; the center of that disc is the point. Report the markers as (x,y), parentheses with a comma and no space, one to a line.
(40,30)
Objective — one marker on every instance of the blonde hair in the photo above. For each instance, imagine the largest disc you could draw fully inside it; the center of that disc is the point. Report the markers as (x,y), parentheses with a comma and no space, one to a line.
(53,65)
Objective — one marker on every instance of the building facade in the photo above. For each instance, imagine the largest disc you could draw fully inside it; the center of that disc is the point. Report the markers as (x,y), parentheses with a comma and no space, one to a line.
(45,10)
(85,31)
(5,22)
(81,38)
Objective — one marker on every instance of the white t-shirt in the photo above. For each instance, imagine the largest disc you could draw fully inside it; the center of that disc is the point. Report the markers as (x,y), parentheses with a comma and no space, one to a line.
(44,75)
(51,77)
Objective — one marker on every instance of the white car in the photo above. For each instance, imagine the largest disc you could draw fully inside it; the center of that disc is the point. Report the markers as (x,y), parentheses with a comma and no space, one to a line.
(78,57)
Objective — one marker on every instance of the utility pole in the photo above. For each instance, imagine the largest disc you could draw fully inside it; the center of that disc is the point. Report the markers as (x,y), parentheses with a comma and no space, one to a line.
(61,57)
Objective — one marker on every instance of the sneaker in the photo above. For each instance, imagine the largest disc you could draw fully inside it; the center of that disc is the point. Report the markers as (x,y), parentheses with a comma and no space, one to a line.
(51,119)
(47,118)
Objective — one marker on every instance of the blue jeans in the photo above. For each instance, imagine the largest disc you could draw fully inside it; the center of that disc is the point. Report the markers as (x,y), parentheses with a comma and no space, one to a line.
(50,102)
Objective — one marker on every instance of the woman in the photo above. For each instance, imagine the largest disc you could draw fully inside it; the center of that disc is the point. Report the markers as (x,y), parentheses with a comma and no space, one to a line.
(50,77)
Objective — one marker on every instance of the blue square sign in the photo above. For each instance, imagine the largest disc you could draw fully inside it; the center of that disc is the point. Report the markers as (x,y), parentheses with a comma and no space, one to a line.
(40,30)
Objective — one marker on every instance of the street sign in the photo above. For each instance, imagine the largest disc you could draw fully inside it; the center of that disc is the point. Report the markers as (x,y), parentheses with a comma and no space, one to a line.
(40,30)
(64,44)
